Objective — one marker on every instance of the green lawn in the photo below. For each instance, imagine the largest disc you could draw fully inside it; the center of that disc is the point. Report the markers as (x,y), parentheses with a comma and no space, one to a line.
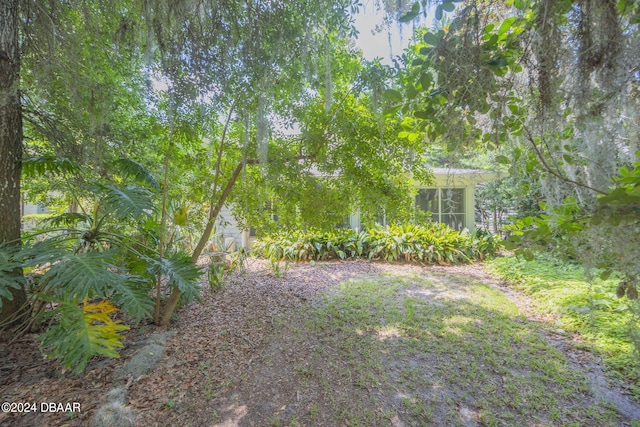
(430,350)
(588,307)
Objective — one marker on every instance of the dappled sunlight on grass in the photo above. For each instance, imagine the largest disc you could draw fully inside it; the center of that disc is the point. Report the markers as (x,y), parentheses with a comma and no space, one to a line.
(445,344)
(387,332)
(590,308)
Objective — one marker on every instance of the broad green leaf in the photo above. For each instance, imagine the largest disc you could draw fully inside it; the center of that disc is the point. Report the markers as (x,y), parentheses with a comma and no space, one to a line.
(438,13)
(431,39)
(138,172)
(133,297)
(411,92)
(448,6)
(503,160)
(424,50)
(82,275)
(8,266)
(425,81)
(392,95)
(126,202)
(41,165)
(498,61)
(182,273)
(67,219)
(506,25)
(82,332)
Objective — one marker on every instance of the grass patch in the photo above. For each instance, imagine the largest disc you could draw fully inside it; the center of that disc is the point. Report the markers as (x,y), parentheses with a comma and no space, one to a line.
(590,308)
(448,351)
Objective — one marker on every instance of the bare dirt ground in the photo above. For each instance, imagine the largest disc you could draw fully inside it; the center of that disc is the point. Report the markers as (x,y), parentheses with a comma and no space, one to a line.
(229,364)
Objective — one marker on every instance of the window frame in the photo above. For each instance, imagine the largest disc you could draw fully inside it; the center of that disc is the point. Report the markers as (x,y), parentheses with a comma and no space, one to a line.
(441,214)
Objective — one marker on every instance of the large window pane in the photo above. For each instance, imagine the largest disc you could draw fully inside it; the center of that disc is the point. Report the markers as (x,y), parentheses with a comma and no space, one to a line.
(455,221)
(453,200)
(427,200)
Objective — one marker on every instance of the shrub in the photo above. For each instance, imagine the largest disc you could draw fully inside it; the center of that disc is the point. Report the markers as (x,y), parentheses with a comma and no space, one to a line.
(429,243)
(312,245)
(87,266)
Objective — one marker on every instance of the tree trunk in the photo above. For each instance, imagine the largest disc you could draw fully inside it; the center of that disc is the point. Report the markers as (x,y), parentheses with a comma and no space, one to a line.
(10,146)
(174,298)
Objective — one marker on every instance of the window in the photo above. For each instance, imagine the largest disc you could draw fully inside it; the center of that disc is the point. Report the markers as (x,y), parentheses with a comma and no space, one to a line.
(381,217)
(428,201)
(345,222)
(446,205)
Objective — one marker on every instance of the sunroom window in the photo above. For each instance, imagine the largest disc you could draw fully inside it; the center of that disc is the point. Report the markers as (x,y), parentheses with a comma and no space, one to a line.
(445,204)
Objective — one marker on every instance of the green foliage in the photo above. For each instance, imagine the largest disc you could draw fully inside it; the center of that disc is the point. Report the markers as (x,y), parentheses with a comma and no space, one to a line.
(312,245)
(431,243)
(107,253)
(83,331)
(222,264)
(452,76)
(278,268)
(603,236)
(590,307)
(137,171)
(42,165)
(181,272)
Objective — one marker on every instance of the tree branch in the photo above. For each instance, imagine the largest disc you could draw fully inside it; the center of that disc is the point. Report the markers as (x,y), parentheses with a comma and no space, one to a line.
(548,168)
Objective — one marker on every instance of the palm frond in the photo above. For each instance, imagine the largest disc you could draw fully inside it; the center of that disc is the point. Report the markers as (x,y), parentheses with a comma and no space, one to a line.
(83,331)
(182,273)
(8,267)
(138,172)
(42,165)
(91,274)
(126,202)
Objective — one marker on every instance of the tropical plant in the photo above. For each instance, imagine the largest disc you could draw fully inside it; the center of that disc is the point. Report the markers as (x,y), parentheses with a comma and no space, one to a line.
(86,266)
(430,243)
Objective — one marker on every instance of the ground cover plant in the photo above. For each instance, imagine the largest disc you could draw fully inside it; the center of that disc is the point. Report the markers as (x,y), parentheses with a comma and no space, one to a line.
(434,243)
(588,307)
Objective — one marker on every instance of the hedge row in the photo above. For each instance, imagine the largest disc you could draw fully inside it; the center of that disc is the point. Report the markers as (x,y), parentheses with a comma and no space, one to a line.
(434,243)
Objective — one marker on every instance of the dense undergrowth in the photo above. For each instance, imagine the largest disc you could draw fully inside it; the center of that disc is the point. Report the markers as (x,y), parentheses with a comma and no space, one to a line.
(434,243)
(590,307)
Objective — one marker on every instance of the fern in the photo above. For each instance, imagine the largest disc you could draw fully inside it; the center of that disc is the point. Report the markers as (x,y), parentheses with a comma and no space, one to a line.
(83,332)
(41,165)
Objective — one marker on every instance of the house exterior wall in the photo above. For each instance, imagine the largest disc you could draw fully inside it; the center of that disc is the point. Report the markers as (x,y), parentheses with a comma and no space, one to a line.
(227,226)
